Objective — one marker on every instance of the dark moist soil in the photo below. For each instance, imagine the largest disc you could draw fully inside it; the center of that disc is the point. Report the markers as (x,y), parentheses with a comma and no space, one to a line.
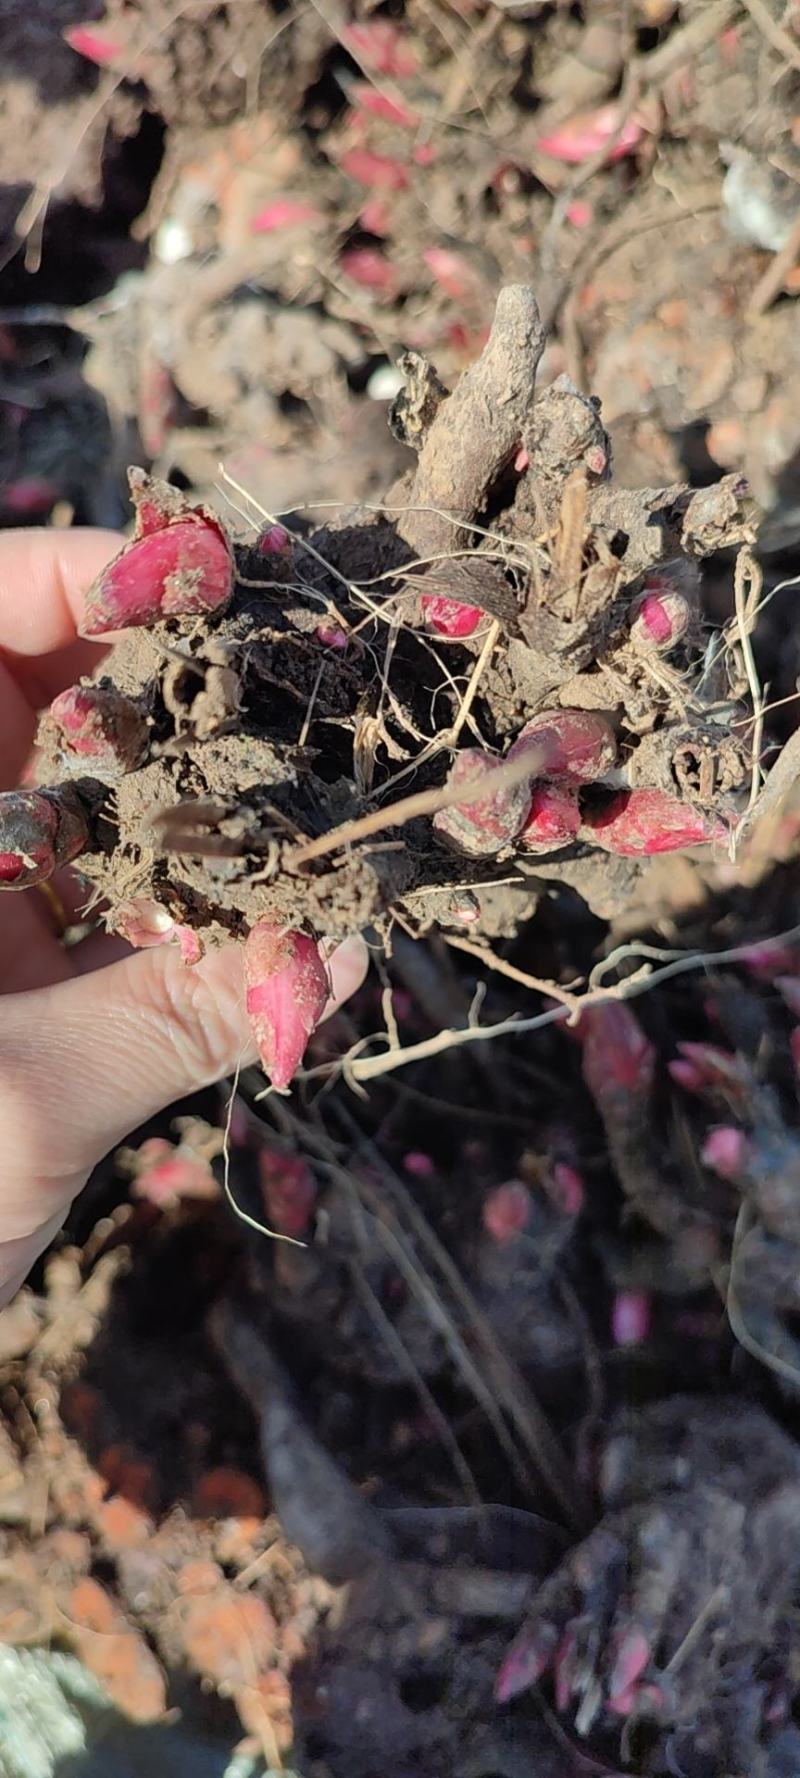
(524,1402)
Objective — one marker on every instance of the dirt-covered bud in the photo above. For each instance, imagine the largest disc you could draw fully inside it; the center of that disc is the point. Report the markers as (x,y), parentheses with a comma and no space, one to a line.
(553,820)
(642,822)
(486,823)
(97,730)
(39,830)
(287,989)
(449,618)
(573,744)
(659,617)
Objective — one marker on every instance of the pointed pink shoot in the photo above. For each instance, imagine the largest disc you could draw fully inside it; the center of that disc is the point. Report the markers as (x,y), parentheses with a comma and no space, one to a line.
(588,133)
(183,570)
(526,1661)
(642,823)
(287,989)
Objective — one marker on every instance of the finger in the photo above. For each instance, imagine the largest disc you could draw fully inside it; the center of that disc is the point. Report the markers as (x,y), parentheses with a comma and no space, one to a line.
(83,1063)
(43,578)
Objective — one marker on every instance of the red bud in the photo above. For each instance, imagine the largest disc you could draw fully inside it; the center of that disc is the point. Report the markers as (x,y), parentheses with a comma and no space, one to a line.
(554,818)
(643,822)
(572,744)
(180,571)
(449,617)
(487,824)
(659,618)
(287,989)
(99,729)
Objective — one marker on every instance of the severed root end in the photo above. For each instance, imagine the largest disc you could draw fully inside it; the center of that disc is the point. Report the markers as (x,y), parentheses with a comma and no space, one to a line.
(39,830)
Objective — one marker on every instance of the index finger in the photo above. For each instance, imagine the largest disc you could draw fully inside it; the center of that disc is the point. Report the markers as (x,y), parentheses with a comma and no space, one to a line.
(43,580)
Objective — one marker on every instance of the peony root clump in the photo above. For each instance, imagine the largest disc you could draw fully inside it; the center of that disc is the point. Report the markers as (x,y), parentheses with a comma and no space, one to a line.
(500,675)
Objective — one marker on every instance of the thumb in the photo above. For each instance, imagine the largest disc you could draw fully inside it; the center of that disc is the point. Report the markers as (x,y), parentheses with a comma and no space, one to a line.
(86,1060)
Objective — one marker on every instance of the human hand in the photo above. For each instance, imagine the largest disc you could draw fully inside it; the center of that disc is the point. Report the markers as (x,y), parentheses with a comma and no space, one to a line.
(93,1039)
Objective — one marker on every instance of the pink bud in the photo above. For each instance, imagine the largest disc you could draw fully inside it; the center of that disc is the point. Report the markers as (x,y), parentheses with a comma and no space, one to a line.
(189,944)
(381,47)
(282,213)
(589,132)
(579,213)
(506,1211)
(369,268)
(630,1317)
(144,924)
(522,461)
(419,1165)
(274,541)
(554,818)
(288,1190)
(705,1067)
(287,990)
(367,98)
(659,619)
(643,822)
(449,617)
(725,1151)
(379,172)
(527,1659)
(331,636)
(100,729)
(633,1655)
(567,1189)
(487,824)
(180,571)
(616,1053)
(39,830)
(95,46)
(452,272)
(578,745)
(376,217)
